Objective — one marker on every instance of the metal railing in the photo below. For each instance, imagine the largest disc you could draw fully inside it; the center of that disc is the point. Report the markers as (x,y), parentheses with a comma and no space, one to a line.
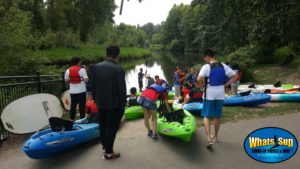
(15,87)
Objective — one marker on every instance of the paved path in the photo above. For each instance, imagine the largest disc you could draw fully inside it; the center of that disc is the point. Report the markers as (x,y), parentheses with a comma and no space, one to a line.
(139,152)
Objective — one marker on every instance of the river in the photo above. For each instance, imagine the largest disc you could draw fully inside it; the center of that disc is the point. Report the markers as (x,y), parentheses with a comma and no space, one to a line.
(162,64)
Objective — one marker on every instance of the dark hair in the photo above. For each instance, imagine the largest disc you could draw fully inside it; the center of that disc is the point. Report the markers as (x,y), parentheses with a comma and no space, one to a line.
(75,60)
(156,76)
(112,51)
(209,52)
(133,90)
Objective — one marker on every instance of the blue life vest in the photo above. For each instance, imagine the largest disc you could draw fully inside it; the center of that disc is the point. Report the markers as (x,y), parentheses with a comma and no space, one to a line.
(217,75)
(157,88)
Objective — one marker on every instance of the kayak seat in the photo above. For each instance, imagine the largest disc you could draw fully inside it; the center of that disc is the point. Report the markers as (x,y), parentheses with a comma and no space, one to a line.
(175,116)
(59,124)
(245,93)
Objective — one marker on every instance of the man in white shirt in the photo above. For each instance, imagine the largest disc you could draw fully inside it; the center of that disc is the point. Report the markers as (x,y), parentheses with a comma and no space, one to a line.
(213,77)
(77,77)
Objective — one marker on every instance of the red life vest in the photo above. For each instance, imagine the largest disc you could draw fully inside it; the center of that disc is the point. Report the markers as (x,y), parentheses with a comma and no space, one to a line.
(74,74)
(185,91)
(91,106)
(197,95)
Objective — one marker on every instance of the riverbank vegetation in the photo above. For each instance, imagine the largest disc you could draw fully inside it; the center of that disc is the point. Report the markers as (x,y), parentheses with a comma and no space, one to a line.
(246,32)
(37,32)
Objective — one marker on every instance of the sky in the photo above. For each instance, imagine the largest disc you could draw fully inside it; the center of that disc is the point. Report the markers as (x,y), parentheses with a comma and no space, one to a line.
(154,11)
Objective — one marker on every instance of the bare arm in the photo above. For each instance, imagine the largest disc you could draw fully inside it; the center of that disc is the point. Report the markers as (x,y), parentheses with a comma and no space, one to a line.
(232,79)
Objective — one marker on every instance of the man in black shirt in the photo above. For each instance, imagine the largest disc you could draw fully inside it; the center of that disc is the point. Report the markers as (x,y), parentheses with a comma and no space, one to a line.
(140,79)
(109,93)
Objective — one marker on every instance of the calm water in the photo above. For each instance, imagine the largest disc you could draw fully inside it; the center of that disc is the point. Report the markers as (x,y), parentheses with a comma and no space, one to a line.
(161,64)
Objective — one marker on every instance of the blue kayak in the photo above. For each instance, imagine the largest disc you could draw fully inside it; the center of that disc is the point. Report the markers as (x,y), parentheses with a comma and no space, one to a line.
(250,100)
(285,97)
(194,108)
(48,143)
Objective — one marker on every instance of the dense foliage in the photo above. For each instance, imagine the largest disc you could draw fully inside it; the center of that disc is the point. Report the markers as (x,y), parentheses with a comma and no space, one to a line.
(36,25)
(226,26)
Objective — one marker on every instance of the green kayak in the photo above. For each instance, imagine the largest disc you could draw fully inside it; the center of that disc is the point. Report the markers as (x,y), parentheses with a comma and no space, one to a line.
(171,94)
(133,112)
(182,131)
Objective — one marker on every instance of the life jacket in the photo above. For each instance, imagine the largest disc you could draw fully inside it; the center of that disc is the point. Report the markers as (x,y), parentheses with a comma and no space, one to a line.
(157,88)
(196,95)
(132,102)
(91,107)
(161,82)
(182,75)
(217,75)
(74,74)
(185,91)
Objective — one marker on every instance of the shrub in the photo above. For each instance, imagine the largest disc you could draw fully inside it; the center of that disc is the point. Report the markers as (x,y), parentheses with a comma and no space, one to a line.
(281,53)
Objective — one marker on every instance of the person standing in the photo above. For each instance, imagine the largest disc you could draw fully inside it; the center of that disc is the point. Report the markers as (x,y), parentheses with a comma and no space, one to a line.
(109,93)
(212,75)
(76,76)
(191,78)
(177,81)
(140,79)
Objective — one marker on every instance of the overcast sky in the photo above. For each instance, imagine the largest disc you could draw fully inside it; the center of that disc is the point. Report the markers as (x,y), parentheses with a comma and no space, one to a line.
(154,11)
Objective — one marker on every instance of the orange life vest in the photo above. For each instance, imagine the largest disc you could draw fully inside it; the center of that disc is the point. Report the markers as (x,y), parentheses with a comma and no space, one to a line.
(74,74)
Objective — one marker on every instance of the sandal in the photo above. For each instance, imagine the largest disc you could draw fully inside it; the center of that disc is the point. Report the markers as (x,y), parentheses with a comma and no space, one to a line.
(209,144)
(111,156)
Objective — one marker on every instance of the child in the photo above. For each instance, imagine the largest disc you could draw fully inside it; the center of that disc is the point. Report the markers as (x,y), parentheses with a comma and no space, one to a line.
(132,99)
(148,101)
(92,111)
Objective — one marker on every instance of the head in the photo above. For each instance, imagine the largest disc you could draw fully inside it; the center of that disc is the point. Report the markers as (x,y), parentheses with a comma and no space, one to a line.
(192,70)
(113,52)
(133,91)
(76,60)
(156,77)
(209,55)
(179,69)
(141,69)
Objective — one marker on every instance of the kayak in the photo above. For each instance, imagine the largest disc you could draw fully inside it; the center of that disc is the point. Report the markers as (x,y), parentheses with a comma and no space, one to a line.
(285,97)
(289,88)
(194,108)
(171,94)
(249,100)
(183,131)
(133,112)
(47,143)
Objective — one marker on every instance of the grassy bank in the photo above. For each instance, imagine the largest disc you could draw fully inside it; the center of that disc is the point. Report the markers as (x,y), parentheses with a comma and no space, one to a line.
(269,74)
(89,53)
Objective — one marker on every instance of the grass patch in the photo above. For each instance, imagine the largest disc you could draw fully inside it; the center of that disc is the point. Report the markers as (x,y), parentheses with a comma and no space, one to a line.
(271,73)
(88,52)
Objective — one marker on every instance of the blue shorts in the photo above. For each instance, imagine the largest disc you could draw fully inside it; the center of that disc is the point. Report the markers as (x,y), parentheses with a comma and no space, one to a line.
(212,108)
(147,103)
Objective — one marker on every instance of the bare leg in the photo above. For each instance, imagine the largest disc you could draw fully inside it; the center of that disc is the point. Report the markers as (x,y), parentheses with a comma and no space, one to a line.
(154,121)
(217,127)
(167,105)
(146,119)
(207,128)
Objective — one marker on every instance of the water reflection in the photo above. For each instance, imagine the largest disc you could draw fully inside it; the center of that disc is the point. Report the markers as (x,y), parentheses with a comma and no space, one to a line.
(161,64)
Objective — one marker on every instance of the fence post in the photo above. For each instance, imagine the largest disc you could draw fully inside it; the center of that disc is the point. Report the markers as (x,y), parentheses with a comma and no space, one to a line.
(39,84)
(63,81)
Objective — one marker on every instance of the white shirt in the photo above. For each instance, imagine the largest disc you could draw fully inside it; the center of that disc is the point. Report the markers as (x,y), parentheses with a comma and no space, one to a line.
(79,87)
(215,92)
